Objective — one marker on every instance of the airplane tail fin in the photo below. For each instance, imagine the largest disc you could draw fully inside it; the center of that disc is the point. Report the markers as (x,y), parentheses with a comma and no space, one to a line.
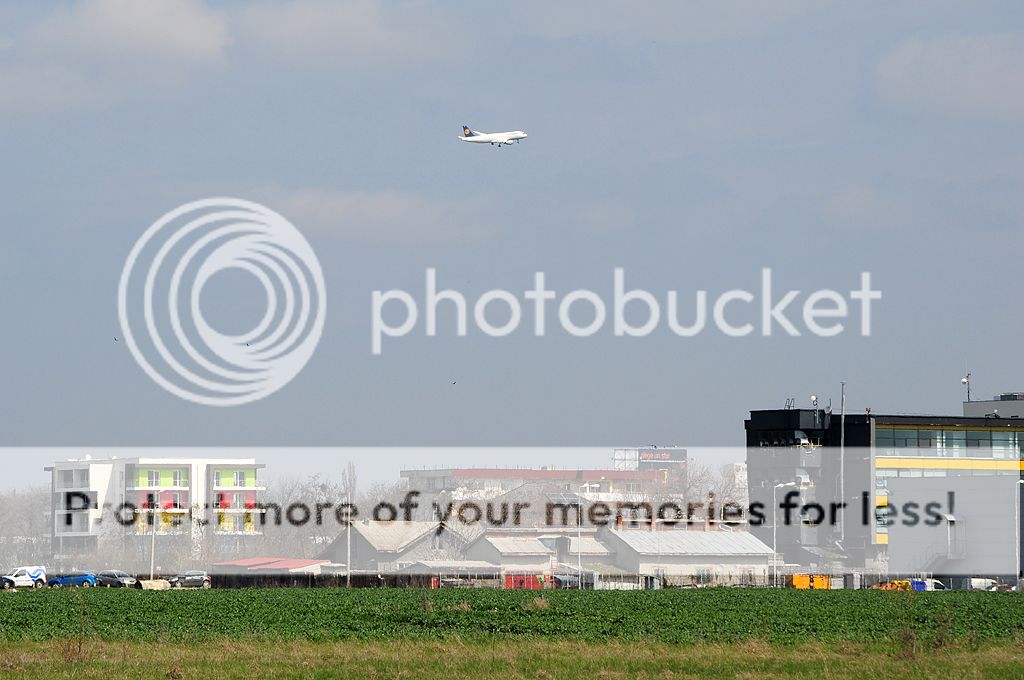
(466,132)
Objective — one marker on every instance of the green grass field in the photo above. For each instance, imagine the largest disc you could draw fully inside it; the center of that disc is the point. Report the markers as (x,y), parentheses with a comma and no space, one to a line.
(479,633)
(500,659)
(711,615)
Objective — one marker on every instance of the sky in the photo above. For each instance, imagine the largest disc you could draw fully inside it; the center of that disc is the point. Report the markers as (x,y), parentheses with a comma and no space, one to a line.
(691,145)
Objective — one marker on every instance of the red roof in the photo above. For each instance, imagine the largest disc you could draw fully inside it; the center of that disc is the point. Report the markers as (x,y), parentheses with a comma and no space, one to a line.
(291,564)
(251,563)
(247,562)
(530,473)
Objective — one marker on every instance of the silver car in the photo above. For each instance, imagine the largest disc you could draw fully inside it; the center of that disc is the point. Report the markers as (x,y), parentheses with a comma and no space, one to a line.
(113,578)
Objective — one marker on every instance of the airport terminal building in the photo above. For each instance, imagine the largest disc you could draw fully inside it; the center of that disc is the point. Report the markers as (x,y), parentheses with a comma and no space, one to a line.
(883,461)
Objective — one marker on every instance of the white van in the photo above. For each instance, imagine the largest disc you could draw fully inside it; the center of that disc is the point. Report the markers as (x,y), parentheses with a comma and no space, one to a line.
(24,577)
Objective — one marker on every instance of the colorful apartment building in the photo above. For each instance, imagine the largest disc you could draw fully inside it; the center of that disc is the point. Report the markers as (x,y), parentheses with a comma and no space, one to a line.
(187,497)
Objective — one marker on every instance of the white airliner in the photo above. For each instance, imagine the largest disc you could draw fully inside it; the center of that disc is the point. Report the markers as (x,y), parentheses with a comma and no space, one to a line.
(499,138)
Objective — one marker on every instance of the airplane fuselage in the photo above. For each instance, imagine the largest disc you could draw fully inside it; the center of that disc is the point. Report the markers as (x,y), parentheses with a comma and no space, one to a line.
(494,138)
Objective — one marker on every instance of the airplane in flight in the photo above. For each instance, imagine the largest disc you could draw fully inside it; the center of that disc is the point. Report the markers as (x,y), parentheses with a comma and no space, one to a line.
(492,138)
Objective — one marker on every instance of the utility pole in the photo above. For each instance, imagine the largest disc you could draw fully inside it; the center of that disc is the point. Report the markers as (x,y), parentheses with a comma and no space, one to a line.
(579,542)
(842,461)
(775,525)
(348,543)
(1016,496)
(152,543)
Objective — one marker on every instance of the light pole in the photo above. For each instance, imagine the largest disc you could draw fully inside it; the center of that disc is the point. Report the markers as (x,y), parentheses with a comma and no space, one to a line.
(348,542)
(579,538)
(1016,497)
(152,541)
(775,526)
(842,463)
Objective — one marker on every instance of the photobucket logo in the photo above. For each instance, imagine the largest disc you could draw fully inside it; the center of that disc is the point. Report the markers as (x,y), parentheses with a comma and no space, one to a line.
(162,283)
(735,313)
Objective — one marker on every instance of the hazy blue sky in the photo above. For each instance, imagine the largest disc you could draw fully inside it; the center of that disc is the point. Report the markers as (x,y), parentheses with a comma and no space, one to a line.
(690,145)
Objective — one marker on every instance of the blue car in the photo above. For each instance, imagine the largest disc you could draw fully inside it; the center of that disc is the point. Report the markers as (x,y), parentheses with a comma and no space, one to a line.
(79,579)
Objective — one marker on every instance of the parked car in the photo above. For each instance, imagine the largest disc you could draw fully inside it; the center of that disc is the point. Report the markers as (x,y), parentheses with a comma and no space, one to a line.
(116,579)
(75,579)
(191,579)
(567,581)
(984,584)
(24,577)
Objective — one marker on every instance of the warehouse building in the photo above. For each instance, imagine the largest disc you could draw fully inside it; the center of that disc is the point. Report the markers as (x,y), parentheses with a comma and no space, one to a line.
(518,554)
(390,546)
(682,558)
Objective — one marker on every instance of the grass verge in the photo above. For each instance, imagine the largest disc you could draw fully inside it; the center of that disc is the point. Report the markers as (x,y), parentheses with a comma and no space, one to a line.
(506,659)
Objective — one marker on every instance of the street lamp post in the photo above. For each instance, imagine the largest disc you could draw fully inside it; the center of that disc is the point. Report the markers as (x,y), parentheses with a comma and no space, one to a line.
(152,544)
(579,538)
(348,542)
(775,526)
(842,463)
(1016,497)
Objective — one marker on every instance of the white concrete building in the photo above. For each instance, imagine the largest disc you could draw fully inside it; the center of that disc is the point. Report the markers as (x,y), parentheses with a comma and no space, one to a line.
(513,554)
(683,557)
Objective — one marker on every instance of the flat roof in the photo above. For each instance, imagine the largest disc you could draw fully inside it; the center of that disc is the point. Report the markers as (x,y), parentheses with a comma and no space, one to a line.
(905,418)
(948,421)
(532,473)
(165,461)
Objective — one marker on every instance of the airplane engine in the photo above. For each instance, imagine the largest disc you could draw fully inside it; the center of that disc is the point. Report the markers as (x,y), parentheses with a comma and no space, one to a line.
(510,142)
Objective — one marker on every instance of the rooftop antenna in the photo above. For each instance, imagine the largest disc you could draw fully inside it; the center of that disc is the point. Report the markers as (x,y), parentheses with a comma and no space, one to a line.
(966,380)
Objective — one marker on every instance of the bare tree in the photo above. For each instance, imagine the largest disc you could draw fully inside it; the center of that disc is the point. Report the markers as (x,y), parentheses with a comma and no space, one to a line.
(392,493)
(727,487)
(25,517)
(279,537)
(323,497)
(349,481)
(700,480)
(300,517)
(699,490)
